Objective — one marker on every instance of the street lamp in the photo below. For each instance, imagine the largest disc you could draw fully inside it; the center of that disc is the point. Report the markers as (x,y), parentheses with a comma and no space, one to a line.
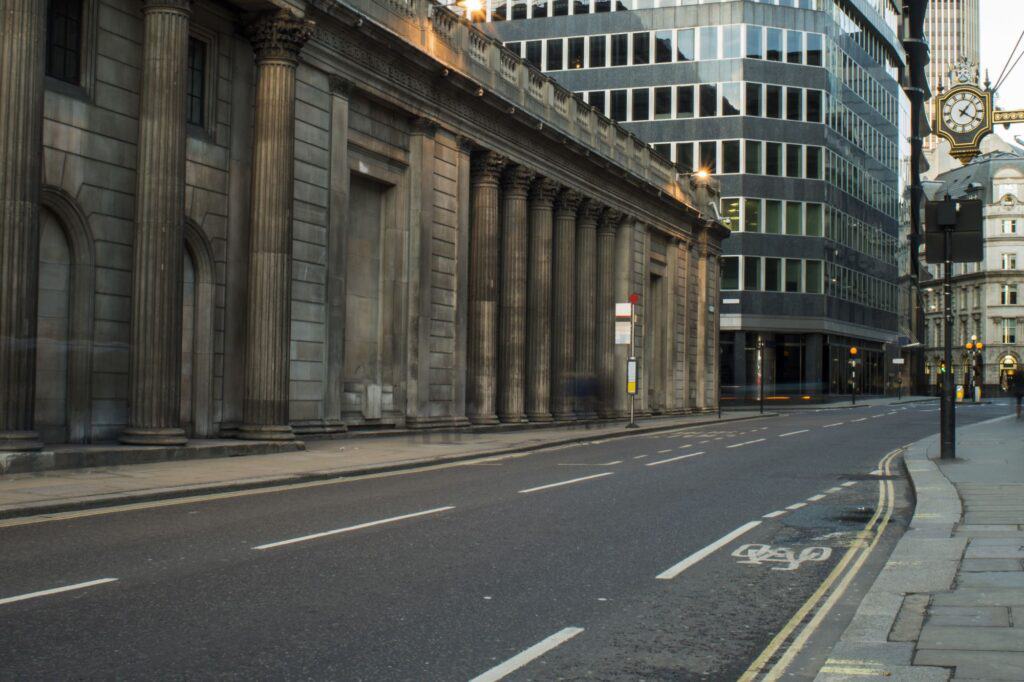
(974,347)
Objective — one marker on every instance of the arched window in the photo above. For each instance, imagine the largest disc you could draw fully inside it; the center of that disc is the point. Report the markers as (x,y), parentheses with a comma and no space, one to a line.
(53,330)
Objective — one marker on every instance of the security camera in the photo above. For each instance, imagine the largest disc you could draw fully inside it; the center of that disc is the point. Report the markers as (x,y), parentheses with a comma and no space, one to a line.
(718,214)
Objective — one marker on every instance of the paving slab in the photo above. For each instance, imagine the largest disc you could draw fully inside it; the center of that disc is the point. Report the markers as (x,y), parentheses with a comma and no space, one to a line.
(975,665)
(980,596)
(972,616)
(972,638)
(992,579)
(972,565)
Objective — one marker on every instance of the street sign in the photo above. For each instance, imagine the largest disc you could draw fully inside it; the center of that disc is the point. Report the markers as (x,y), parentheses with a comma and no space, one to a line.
(897,361)
(623,332)
(964,218)
(623,311)
(631,376)
(730,301)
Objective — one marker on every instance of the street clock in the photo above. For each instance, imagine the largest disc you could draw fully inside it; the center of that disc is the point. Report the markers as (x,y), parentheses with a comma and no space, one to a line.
(963,116)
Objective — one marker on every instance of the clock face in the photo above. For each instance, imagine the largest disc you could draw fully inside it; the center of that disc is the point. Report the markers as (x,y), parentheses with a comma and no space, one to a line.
(963,112)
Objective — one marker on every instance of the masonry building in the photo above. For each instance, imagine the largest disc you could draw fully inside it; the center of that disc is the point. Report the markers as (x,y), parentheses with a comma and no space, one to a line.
(261,219)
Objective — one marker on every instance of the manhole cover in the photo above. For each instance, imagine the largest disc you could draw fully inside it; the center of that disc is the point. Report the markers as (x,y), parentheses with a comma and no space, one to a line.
(855,514)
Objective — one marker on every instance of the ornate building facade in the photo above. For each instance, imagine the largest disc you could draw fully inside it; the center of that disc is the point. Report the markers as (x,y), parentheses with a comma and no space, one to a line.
(261,219)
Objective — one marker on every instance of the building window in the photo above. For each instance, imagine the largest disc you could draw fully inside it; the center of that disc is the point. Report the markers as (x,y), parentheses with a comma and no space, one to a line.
(773,274)
(731,45)
(540,9)
(794,47)
(1009,330)
(685,51)
(708,156)
(753,99)
(813,223)
(662,103)
(575,53)
(641,104)
(559,8)
(813,167)
(620,49)
(1009,261)
(814,49)
(731,99)
(752,163)
(684,156)
(555,48)
(774,51)
(730,273)
(794,104)
(709,42)
(794,275)
(814,106)
(752,215)
(813,277)
(1008,294)
(534,52)
(581,7)
(755,42)
(773,216)
(663,47)
(773,101)
(794,158)
(731,156)
(708,99)
(794,218)
(618,112)
(195,91)
(598,52)
(684,101)
(596,100)
(64,40)
(773,158)
(641,48)
(751,273)
(1009,227)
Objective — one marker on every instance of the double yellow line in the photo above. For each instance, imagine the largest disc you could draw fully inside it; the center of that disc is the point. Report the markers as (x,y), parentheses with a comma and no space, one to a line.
(830,591)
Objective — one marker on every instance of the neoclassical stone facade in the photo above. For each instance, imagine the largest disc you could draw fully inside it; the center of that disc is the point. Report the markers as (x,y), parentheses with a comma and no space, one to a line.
(266,220)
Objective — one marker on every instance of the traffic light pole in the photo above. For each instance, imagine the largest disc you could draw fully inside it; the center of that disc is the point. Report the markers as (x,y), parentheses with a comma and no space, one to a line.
(948,405)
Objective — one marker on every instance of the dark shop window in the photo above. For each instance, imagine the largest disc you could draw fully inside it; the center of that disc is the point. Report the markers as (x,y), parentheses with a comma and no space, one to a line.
(64,40)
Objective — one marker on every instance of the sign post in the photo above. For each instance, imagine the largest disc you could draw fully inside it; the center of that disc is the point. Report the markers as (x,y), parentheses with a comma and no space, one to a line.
(625,332)
(853,375)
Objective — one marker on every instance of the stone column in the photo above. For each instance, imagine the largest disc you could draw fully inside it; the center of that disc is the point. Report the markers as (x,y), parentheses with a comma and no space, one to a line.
(538,304)
(512,327)
(483,287)
(586,308)
(154,379)
(563,303)
(22,46)
(277,38)
(605,325)
(623,281)
(702,376)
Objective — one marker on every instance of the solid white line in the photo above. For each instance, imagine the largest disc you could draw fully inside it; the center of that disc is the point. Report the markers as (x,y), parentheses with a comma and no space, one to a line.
(327,533)
(56,590)
(772,515)
(503,670)
(815,498)
(673,459)
(796,506)
(848,484)
(793,433)
(698,555)
(862,419)
(572,480)
(829,426)
(749,442)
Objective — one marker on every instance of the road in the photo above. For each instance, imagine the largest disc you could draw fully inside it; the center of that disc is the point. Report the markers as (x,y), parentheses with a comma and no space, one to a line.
(681,555)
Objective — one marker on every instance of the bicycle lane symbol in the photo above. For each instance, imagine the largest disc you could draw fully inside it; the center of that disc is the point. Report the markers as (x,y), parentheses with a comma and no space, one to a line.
(787,558)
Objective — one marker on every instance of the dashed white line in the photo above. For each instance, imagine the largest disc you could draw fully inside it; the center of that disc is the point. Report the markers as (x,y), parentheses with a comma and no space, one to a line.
(505,669)
(876,416)
(316,536)
(815,498)
(833,490)
(672,572)
(55,590)
(848,484)
(673,459)
(749,442)
(772,515)
(798,505)
(640,456)
(862,419)
(560,483)
(793,433)
(683,447)
(829,426)
(662,452)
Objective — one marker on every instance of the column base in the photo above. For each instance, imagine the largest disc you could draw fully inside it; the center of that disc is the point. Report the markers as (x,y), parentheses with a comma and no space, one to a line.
(153,436)
(265,432)
(483,419)
(585,416)
(564,416)
(20,441)
(512,418)
(539,417)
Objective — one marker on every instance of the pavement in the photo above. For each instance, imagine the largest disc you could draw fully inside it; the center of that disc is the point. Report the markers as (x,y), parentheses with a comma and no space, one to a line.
(949,603)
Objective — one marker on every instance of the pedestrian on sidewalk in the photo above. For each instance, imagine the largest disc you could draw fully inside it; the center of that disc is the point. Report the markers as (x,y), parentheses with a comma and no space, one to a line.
(1017,389)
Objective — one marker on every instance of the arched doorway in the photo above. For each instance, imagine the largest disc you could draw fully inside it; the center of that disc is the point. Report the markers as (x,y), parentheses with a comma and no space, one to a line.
(197,416)
(1008,366)
(53,330)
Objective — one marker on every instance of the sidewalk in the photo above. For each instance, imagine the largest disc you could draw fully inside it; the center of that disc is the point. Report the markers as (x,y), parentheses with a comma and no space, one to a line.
(68,489)
(949,603)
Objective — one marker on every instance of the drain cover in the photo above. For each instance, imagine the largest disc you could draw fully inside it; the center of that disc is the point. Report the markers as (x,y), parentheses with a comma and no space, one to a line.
(856,514)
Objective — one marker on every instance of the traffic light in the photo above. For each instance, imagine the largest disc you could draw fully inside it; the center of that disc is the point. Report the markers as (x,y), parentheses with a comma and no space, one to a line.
(942,367)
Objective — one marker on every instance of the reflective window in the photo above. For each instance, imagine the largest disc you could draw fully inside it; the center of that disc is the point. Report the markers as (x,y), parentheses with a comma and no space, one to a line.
(641,48)
(814,110)
(684,156)
(641,104)
(752,215)
(752,164)
(773,101)
(684,45)
(731,42)
(753,100)
(684,101)
(534,50)
(731,99)
(540,9)
(620,49)
(794,161)
(755,42)
(774,44)
(794,47)
(772,158)
(813,166)
(575,53)
(709,42)
(814,49)
(618,105)
(773,216)
(708,156)
(731,156)
(663,103)
(596,99)
(555,48)
(598,51)
(794,104)
(708,99)
(663,47)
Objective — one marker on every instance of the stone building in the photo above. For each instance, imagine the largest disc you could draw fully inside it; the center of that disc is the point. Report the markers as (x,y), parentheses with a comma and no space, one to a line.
(267,219)
(988,297)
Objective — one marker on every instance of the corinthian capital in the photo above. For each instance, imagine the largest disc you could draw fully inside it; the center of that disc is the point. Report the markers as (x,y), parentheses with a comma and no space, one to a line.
(278,35)
(516,179)
(543,191)
(610,219)
(486,167)
(568,201)
(590,211)
(184,6)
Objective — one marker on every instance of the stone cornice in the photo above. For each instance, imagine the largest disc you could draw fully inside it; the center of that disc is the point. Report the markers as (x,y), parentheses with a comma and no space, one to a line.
(278,36)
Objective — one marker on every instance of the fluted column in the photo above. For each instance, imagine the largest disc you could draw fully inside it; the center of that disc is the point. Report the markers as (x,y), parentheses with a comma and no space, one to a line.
(586,308)
(538,304)
(154,375)
(277,38)
(512,326)
(483,287)
(22,47)
(563,305)
(605,325)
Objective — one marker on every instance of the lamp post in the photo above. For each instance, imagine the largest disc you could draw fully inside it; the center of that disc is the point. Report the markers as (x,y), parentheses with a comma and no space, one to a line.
(853,375)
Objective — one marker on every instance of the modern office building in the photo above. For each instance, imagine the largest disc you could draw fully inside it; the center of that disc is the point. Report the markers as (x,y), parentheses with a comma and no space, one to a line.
(952,27)
(988,297)
(793,105)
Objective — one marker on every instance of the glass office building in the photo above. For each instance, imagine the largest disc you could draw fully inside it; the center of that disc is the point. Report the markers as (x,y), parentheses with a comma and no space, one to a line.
(793,105)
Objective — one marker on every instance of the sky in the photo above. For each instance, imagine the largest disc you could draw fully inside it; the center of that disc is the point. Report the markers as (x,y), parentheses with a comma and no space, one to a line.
(1001,24)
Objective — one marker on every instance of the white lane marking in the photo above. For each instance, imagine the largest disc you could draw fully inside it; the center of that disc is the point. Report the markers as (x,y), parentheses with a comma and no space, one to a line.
(55,590)
(505,669)
(749,442)
(327,533)
(848,484)
(833,490)
(672,572)
(673,459)
(570,481)
(796,506)
(876,416)
(702,442)
(772,515)
(829,426)
(639,456)
(590,464)
(683,447)
(662,452)
(793,433)
(720,438)
(612,463)
(815,498)
(862,419)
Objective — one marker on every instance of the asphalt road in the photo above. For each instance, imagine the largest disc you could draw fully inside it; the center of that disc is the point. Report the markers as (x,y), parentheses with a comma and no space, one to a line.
(657,557)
